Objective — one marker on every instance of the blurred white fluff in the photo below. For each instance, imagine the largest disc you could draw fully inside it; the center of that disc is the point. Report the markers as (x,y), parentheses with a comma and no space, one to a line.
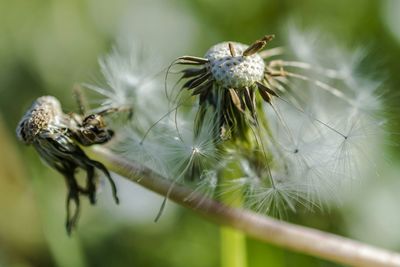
(130,81)
(333,140)
(319,141)
(206,186)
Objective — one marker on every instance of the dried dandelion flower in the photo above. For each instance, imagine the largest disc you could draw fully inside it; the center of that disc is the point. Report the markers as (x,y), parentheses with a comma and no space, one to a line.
(57,138)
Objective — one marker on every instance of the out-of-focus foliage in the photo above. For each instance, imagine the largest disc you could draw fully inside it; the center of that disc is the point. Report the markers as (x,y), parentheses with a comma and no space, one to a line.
(46,46)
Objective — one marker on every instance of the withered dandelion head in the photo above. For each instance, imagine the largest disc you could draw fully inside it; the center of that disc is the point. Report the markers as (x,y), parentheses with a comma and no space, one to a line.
(57,138)
(228,78)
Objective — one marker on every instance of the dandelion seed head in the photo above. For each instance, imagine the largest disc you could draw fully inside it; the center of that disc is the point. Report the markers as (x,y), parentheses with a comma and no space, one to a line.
(234,71)
(297,128)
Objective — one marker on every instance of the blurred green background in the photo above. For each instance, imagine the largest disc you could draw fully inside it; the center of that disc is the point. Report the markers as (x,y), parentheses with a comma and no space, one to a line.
(46,46)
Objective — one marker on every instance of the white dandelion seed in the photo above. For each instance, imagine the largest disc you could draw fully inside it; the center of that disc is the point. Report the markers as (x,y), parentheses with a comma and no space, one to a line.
(206,186)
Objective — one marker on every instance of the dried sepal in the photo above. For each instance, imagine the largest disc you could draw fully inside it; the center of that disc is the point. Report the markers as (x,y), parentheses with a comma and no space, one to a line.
(236,99)
(232,49)
(189,60)
(258,45)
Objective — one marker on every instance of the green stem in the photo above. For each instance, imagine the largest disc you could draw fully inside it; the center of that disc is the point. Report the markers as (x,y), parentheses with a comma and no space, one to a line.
(233,241)
(293,237)
(233,248)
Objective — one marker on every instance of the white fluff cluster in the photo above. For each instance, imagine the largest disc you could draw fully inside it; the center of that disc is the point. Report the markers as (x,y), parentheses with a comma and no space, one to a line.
(318,133)
(129,79)
(325,128)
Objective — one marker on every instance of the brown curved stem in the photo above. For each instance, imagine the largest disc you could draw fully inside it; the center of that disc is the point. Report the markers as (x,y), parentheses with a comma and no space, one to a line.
(293,237)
